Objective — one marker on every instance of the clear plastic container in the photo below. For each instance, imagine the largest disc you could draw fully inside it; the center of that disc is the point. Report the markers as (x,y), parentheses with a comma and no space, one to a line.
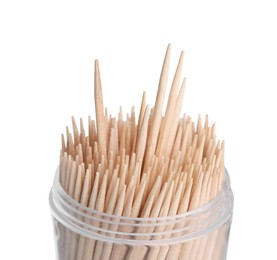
(85,234)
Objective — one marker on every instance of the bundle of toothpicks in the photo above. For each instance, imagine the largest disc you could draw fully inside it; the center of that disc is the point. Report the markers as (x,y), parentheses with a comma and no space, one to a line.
(156,165)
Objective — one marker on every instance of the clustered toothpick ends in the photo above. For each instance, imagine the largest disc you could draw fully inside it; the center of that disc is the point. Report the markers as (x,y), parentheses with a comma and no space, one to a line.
(155,166)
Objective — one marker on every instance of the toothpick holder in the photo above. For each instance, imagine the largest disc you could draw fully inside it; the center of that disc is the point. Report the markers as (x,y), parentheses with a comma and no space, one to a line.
(85,234)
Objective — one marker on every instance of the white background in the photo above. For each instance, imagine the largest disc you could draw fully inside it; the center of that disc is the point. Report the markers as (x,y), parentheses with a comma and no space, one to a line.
(47,50)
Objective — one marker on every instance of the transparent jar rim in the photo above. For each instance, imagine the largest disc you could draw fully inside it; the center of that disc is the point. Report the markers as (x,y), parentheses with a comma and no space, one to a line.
(226,188)
(188,226)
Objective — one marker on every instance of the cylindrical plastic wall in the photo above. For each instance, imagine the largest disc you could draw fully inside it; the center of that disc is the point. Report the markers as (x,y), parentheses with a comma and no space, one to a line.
(85,234)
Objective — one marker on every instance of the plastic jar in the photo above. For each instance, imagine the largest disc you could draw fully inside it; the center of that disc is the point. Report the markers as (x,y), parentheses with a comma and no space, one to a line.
(85,234)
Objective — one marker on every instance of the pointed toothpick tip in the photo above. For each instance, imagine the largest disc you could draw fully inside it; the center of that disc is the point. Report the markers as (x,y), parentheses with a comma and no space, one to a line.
(168,50)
